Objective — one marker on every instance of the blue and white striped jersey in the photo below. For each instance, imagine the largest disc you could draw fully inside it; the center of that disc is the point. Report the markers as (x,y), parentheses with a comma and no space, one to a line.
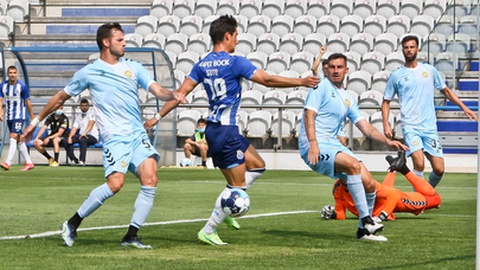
(14,97)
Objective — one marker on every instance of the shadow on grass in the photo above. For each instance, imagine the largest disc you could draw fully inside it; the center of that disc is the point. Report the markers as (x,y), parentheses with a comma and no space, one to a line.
(422,264)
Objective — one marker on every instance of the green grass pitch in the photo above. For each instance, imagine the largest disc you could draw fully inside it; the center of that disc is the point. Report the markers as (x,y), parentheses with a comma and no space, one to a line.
(282,230)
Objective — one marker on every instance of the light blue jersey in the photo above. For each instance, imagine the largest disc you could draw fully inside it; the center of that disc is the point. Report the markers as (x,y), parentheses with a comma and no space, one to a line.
(415,90)
(114,92)
(14,97)
(332,106)
(221,75)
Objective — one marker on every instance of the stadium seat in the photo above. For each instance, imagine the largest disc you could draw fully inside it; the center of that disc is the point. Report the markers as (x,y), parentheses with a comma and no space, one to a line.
(3,8)
(351,24)
(474,10)
(259,25)
(187,122)
(230,7)
(242,23)
(386,43)
(318,8)
(313,42)
(6,27)
(278,61)
(394,60)
(281,25)
(359,81)
(468,25)
(206,23)
(199,43)
(172,57)
(146,25)
(259,59)
(338,42)
(250,8)
(134,40)
(445,62)
(200,96)
(295,8)
(259,123)
(186,60)
(364,8)
(246,43)
(398,25)
(291,43)
(268,43)
(274,97)
(252,97)
(272,8)
(341,8)
(379,80)
(305,25)
(205,8)
(288,124)
(458,43)
(370,98)
(242,119)
(190,25)
(168,25)
(176,43)
(445,25)
(296,97)
(376,120)
(387,8)
(422,25)
(354,94)
(354,60)
(459,8)
(361,43)
(161,8)
(183,8)
(329,24)
(154,40)
(18,9)
(179,77)
(301,61)
(375,25)
(434,8)
(411,8)
(435,43)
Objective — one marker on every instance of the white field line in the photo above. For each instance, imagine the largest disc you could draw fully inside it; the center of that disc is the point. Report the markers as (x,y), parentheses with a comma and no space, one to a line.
(51,233)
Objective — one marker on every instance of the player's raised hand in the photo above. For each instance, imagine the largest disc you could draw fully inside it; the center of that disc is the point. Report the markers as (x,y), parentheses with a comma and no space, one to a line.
(310,81)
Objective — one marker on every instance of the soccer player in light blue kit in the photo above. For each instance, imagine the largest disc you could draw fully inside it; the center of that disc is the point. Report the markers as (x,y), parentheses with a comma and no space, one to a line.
(17,99)
(326,107)
(415,83)
(221,73)
(113,84)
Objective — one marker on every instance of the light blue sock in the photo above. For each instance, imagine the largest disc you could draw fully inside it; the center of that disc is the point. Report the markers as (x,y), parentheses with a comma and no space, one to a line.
(356,189)
(95,200)
(252,175)
(143,205)
(371,201)
(434,179)
(417,173)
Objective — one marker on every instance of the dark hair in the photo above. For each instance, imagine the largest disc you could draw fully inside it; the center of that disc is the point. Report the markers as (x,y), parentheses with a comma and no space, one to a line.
(84,100)
(201,120)
(334,56)
(218,28)
(408,38)
(11,67)
(105,31)
(324,62)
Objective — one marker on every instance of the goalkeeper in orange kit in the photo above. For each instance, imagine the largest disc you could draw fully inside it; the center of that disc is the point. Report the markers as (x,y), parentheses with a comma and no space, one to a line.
(389,199)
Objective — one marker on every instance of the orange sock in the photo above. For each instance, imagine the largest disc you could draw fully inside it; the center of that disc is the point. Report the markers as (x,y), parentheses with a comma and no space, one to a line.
(389,179)
(420,185)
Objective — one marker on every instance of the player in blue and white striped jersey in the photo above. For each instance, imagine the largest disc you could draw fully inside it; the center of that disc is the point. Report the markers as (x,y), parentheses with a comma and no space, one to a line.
(17,99)
(221,74)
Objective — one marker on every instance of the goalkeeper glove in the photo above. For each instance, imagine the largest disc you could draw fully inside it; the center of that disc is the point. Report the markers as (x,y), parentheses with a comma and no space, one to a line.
(328,212)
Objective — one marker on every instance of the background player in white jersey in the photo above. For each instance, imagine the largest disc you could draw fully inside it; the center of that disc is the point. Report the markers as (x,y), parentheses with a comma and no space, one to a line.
(415,83)
(113,84)
(326,108)
(87,134)
(17,97)
(221,73)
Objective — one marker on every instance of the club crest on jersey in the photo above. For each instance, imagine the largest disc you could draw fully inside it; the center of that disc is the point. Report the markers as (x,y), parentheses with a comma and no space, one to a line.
(425,74)
(347,102)
(128,74)
(406,79)
(123,164)
(239,154)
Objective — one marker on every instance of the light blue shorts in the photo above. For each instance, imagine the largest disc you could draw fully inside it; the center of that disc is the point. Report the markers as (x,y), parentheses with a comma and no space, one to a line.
(122,153)
(426,140)
(326,164)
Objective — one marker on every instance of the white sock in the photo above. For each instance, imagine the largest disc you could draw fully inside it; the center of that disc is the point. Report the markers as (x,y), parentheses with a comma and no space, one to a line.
(11,150)
(217,216)
(22,148)
(252,175)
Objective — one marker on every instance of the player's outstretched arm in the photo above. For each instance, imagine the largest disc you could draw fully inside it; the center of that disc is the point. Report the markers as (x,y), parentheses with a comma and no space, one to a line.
(53,104)
(187,86)
(450,95)
(371,132)
(387,129)
(268,80)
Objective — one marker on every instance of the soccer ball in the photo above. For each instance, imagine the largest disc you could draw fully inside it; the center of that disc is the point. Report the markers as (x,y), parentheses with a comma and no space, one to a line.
(186,162)
(235,202)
